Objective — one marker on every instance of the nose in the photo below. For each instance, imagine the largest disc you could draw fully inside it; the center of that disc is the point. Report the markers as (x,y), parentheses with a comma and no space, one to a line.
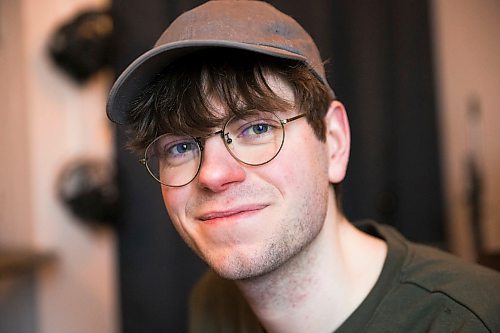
(219,169)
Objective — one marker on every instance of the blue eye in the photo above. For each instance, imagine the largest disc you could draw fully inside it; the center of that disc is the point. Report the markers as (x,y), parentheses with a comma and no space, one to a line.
(256,129)
(181,148)
(260,128)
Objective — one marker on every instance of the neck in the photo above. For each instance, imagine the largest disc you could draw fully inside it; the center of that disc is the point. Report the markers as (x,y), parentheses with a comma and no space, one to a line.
(317,290)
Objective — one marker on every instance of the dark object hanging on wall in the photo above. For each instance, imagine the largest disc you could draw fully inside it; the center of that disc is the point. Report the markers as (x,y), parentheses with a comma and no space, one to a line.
(81,46)
(88,189)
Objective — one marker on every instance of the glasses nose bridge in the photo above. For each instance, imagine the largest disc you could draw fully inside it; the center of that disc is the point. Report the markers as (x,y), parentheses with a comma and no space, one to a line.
(215,155)
(224,136)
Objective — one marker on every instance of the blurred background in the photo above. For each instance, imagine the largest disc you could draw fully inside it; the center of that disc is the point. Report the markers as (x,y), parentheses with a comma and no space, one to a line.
(85,242)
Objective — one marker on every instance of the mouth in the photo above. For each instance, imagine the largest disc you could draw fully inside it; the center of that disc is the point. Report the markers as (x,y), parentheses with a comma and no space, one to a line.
(231,214)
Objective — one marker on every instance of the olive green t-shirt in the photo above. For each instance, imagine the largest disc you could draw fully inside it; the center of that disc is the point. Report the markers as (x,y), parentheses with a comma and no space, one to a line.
(422,289)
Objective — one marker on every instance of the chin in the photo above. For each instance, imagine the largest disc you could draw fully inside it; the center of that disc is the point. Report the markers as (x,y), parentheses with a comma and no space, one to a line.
(240,267)
(240,275)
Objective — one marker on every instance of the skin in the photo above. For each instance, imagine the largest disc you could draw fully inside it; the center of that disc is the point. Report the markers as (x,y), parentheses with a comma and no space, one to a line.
(275,229)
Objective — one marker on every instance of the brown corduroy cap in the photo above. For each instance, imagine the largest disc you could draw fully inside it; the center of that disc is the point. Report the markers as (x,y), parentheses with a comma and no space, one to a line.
(248,25)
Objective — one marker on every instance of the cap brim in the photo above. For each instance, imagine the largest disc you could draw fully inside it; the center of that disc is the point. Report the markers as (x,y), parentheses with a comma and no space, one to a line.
(142,71)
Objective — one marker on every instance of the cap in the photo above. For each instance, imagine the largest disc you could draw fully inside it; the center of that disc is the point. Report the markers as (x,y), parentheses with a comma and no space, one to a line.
(250,25)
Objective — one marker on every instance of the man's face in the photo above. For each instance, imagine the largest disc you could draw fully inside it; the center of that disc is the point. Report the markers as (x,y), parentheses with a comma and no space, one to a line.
(245,221)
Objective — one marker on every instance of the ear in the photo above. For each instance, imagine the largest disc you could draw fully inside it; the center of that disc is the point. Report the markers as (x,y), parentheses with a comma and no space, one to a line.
(338,139)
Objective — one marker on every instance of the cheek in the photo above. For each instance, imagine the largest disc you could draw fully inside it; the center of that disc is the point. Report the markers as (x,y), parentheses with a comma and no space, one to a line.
(301,164)
(175,201)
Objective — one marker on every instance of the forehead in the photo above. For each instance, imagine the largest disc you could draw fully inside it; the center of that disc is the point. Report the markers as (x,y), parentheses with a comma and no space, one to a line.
(277,85)
(280,87)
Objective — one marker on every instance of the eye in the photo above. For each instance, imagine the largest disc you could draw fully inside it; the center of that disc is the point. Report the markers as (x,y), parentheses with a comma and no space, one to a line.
(255,129)
(173,147)
(177,149)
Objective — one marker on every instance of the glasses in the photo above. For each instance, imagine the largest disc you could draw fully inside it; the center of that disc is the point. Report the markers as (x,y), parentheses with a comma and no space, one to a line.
(254,139)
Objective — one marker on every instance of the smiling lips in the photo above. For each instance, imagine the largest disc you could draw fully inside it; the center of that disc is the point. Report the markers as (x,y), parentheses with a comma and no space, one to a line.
(237,212)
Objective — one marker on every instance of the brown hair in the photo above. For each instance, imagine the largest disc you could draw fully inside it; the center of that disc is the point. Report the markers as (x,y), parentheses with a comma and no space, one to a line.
(181,98)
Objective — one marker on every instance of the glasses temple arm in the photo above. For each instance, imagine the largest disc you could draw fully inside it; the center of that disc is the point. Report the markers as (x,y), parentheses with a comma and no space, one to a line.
(285,121)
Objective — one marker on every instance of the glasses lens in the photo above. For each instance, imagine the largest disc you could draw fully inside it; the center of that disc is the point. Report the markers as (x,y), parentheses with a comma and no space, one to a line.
(254,139)
(173,160)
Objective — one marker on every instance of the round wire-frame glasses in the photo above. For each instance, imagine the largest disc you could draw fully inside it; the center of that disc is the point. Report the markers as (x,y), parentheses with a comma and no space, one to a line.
(255,139)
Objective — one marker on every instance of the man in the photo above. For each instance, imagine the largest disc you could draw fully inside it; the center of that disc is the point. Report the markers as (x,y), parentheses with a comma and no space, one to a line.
(235,118)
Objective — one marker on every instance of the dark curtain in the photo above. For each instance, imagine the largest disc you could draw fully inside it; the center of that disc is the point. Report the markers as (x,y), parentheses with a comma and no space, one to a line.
(385,75)
(379,57)
(380,65)
(156,269)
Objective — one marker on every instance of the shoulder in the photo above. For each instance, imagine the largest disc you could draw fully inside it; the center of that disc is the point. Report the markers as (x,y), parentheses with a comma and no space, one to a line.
(438,270)
(473,288)
(470,284)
